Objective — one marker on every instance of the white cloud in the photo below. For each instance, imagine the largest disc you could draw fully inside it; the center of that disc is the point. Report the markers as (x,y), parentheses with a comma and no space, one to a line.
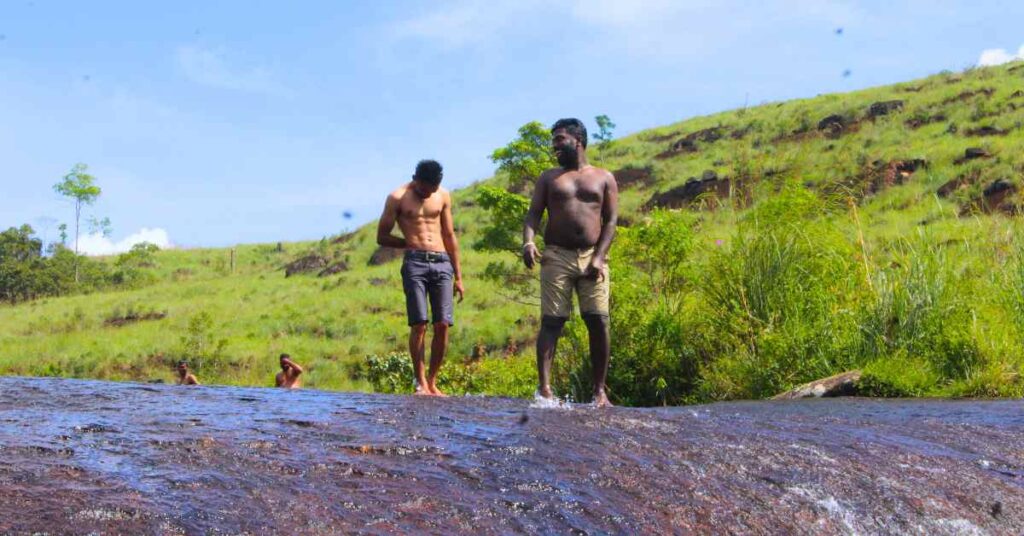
(464,23)
(208,67)
(999,56)
(97,244)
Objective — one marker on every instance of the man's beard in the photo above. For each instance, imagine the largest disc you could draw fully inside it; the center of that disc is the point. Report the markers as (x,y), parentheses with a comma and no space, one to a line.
(568,157)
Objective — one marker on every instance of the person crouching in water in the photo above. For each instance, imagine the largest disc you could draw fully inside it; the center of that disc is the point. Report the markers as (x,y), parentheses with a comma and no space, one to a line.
(431,269)
(184,376)
(289,375)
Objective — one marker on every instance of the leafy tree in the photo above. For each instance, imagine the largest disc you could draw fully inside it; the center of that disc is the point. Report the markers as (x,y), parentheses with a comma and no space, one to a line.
(80,187)
(525,157)
(63,228)
(507,211)
(130,267)
(20,264)
(604,130)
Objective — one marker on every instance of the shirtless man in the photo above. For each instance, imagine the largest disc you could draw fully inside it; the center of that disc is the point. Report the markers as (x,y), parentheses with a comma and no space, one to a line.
(582,202)
(289,375)
(184,376)
(431,267)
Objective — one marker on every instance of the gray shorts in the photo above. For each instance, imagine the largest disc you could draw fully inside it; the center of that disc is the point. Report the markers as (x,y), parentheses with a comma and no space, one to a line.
(428,274)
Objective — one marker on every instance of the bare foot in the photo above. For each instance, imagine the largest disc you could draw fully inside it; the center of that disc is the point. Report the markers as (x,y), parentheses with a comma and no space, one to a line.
(422,390)
(601,400)
(545,392)
(435,391)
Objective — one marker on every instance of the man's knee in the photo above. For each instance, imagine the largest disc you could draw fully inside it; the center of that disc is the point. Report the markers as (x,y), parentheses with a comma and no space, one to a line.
(554,323)
(595,319)
(441,327)
(418,329)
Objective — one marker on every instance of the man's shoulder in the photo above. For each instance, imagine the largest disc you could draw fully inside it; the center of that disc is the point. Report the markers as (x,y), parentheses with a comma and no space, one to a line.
(602,172)
(552,173)
(399,192)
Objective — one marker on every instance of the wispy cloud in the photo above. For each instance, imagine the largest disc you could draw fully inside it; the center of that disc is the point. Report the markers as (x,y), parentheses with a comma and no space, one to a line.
(97,244)
(465,23)
(641,27)
(209,67)
(999,56)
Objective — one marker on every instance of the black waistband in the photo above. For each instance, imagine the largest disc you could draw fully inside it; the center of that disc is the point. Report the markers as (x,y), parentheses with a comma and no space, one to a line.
(426,256)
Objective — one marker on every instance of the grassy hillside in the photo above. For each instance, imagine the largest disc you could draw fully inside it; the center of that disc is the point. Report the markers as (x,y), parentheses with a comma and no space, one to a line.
(895,197)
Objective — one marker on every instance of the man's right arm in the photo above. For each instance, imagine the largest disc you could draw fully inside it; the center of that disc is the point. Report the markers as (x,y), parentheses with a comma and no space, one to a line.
(296,369)
(387,223)
(532,221)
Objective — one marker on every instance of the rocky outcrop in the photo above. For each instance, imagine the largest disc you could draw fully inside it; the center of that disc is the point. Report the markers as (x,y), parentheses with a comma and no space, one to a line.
(973,153)
(996,197)
(384,255)
(833,126)
(695,189)
(879,109)
(634,177)
(335,268)
(89,457)
(305,264)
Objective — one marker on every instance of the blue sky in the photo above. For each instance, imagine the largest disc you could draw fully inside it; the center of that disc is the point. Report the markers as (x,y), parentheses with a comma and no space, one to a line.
(215,123)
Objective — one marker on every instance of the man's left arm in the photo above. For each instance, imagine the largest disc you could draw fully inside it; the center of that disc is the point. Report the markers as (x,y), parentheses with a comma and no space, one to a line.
(609,218)
(451,243)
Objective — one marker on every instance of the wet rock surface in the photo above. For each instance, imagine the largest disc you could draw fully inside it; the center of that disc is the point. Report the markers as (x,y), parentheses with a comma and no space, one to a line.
(84,456)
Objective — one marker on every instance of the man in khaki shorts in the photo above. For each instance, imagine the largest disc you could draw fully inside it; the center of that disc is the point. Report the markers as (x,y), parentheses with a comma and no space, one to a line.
(582,202)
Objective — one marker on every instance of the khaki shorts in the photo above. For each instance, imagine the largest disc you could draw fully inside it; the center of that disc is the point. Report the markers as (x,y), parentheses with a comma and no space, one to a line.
(561,271)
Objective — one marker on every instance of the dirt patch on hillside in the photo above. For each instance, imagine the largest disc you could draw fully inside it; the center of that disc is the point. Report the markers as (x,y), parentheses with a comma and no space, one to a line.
(986,130)
(877,176)
(967,95)
(689,143)
(131,318)
(661,138)
(922,120)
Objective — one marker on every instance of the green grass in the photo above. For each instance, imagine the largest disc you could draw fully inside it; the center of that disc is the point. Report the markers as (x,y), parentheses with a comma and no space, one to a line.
(818,275)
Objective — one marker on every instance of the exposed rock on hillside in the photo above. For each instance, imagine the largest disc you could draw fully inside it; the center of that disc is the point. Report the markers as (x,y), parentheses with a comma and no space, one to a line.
(384,255)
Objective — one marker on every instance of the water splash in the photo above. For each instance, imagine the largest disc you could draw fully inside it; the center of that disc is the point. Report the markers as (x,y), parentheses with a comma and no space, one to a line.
(541,402)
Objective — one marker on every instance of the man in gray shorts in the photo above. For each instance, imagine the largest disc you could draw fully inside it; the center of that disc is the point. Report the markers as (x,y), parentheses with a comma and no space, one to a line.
(431,269)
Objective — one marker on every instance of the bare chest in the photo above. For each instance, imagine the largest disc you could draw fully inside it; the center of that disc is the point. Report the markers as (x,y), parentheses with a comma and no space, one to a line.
(413,208)
(577,187)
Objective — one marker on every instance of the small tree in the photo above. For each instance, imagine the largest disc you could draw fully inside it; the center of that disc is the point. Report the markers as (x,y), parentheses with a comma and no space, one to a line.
(80,187)
(526,157)
(604,130)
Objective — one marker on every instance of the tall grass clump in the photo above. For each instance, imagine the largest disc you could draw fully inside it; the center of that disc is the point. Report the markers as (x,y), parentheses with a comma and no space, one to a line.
(779,299)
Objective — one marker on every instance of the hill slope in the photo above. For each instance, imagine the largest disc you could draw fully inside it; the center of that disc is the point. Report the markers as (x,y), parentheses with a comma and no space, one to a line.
(918,176)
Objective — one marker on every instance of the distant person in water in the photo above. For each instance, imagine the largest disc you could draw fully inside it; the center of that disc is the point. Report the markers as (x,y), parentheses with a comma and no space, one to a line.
(582,202)
(431,269)
(289,375)
(184,376)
